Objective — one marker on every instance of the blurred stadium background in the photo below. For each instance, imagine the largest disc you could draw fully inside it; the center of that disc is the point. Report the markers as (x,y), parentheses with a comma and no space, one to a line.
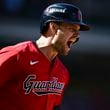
(89,60)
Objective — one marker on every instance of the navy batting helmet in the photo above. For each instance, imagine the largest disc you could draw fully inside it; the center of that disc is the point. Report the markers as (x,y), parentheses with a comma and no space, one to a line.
(62,12)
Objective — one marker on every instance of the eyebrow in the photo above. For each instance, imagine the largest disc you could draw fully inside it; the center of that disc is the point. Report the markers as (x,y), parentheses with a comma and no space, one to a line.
(71,26)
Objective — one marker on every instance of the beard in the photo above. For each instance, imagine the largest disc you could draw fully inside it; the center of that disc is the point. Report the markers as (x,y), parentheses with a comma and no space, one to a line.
(60,48)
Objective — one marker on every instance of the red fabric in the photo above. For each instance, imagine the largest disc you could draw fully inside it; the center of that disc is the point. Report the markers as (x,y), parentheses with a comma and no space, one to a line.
(24,73)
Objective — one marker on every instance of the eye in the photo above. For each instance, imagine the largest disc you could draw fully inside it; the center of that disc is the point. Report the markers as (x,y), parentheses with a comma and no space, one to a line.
(73,30)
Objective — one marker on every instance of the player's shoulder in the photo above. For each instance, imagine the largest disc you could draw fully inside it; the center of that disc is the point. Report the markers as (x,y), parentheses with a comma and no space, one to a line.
(21,46)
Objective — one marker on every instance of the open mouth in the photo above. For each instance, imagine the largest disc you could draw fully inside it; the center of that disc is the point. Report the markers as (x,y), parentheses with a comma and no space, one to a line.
(69,43)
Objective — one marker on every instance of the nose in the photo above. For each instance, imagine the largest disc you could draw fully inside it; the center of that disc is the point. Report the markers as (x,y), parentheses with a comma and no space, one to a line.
(76,32)
(76,36)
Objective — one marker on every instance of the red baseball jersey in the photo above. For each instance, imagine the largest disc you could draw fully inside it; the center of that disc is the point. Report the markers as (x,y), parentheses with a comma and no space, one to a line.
(28,80)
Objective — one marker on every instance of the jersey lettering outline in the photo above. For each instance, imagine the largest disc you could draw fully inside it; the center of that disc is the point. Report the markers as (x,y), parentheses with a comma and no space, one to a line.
(42,87)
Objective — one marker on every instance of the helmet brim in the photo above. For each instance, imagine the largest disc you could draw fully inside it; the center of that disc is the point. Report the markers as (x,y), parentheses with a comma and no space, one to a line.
(84,27)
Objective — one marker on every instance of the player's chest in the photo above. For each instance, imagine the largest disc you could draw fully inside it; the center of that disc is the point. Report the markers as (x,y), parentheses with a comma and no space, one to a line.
(42,75)
(42,78)
(42,68)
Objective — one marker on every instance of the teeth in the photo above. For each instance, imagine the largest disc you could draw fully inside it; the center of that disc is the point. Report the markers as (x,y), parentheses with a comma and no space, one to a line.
(69,43)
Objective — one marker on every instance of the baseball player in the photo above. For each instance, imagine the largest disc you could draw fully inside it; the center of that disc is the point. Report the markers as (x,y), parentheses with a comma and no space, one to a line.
(32,77)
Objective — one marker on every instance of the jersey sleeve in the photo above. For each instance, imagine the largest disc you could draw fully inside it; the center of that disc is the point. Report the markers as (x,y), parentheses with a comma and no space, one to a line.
(8,64)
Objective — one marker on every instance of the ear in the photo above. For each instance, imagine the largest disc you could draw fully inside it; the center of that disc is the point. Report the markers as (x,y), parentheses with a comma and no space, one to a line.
(53,27)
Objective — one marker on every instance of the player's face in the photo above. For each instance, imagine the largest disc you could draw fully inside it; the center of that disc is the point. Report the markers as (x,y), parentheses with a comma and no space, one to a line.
(66,35)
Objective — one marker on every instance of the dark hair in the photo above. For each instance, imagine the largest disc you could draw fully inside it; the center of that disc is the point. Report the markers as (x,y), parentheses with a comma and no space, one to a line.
(45,28)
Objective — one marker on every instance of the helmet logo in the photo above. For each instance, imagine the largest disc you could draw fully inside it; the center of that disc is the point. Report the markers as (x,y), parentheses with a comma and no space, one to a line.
(60,10)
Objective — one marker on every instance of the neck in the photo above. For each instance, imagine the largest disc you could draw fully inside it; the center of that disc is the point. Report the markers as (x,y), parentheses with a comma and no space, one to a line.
(46,48)
(47,51)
